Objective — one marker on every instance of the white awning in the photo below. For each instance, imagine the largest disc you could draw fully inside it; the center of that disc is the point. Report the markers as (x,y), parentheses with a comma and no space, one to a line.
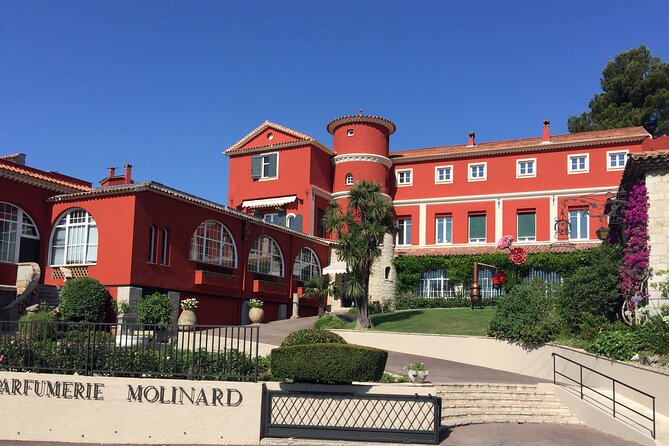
(337,267)
(268,202)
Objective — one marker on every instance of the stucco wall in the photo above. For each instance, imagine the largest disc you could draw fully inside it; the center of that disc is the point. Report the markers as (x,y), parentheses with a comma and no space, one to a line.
(657,184)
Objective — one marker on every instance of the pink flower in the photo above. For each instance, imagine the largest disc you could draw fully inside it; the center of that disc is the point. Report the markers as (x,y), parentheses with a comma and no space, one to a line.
(518,256)
(505,242)
(2,357)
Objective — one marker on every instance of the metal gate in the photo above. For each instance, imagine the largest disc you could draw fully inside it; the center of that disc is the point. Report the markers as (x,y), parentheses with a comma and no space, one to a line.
(348,416)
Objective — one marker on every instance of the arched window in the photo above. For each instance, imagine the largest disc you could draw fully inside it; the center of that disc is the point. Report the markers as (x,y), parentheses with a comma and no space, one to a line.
(165,252)
(152,244)
(387,273)
(306,265)
(213,243)
(265,257)
(349,179)
(19,240)
(75,239)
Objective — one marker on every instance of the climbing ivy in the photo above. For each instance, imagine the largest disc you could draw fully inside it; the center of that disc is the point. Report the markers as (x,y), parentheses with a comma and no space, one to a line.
(460,268)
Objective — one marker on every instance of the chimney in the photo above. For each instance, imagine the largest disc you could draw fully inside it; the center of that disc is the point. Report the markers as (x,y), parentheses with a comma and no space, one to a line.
(471,142)
(128,173)
(546,137)
(112,171)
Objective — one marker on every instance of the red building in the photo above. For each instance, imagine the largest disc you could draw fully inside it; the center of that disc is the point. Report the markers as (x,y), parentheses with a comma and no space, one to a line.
(449,200)
(142,237)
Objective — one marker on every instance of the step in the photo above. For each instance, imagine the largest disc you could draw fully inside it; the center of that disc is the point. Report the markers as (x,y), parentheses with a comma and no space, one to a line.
(496,393)
(464,421)
(549,406)
(484,386)
(460,399)
(487,412)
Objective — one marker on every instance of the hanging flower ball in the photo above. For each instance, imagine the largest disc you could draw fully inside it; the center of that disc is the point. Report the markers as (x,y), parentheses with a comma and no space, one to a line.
(518,256)
(499,279)
(505,242)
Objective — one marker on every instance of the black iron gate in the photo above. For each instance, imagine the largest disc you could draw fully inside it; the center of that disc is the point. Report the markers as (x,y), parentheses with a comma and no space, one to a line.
(348,416)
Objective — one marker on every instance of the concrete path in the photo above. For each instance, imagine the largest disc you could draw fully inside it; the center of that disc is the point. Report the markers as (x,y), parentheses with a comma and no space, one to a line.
(441,371)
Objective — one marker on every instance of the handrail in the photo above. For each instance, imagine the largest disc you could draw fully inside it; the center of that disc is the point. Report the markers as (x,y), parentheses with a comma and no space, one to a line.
(11,309)
(614,382)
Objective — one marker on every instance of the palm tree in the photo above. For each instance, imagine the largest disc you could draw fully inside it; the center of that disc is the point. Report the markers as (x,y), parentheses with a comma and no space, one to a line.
(319,287)
(360,230)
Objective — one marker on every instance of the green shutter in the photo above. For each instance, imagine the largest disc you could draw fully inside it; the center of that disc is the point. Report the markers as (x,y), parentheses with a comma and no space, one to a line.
(282,218)
(256,167)
(526,225)
(271,168)
(297,223)
(477,227)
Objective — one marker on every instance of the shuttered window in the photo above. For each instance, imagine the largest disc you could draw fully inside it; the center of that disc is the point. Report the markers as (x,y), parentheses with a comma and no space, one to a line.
(264,166)
(477,228)
(527,226)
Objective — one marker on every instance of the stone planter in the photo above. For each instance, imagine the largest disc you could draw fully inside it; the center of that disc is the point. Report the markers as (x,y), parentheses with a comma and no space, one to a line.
(187,320)
(417,376)
(256,315)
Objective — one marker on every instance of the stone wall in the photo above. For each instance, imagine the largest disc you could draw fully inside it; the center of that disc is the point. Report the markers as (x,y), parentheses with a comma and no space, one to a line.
(657,184)
(383,281)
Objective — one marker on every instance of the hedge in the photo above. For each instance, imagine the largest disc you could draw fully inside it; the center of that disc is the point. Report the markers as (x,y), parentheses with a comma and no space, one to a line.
(312,336)
(328,363)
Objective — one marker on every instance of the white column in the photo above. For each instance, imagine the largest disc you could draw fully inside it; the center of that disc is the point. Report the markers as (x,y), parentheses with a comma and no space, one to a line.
(499,215)
(422,224)
(552,216)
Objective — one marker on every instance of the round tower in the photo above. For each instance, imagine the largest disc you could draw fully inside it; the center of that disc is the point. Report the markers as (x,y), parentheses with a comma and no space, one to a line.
(361,147)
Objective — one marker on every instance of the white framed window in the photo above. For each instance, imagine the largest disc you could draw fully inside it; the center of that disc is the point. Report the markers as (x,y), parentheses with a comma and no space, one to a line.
(265,257)
(306,265)
(435,283)
(349,179)
(403,237)
(212,243)
(579,163)
(165,252)
(526,226)
(526,168)
(265,166)
(19,239)
(74,240)
(578,224)
(444,229)
(272,218)
(477,228)
(478,171)
(443,174)
(404,177)
(615,160)
(152,244)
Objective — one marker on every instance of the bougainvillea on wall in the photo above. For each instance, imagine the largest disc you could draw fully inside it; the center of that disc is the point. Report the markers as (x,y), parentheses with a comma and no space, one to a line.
(636,254)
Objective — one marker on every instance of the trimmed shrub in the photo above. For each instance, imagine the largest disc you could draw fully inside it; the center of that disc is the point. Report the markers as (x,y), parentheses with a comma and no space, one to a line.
(407,301)
(328,363)
(154,309)
(312,336)
(40,325)
(84,299)
(526,314)
(620,344)
(329,321)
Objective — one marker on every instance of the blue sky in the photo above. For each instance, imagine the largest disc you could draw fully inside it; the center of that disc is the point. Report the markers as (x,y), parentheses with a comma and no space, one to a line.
(168,85)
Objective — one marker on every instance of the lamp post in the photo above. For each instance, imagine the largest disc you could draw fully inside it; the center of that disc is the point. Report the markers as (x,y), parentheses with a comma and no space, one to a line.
(475,289)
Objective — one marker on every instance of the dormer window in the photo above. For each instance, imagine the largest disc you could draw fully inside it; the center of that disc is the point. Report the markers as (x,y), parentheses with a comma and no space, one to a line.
(265,167)
(349,179)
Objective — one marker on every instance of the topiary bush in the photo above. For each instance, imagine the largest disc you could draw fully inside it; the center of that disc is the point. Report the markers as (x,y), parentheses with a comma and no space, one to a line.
(328,363)
(312,336)
(329,321)
(154,309)
(84,299)
(526,314)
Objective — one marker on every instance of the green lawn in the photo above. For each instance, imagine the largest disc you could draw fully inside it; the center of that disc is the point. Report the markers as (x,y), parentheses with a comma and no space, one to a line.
(453,321)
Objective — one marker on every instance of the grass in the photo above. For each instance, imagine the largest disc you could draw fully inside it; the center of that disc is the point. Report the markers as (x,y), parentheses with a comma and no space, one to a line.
(452,321)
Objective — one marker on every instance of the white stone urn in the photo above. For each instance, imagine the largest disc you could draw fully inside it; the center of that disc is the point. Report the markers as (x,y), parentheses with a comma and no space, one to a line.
(418,376)
(256,315)
(187,320)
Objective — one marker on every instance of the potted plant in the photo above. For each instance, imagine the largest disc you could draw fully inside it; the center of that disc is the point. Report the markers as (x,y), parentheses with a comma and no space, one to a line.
(187,319)
(417,372)
(256,313)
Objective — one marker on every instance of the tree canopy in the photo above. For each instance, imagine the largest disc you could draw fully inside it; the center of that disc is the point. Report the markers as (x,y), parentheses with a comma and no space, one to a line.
(360,230)
(635,91)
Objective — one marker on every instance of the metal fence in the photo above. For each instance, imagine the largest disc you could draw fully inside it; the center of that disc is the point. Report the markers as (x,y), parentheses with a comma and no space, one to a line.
(212,352)
(345,416)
